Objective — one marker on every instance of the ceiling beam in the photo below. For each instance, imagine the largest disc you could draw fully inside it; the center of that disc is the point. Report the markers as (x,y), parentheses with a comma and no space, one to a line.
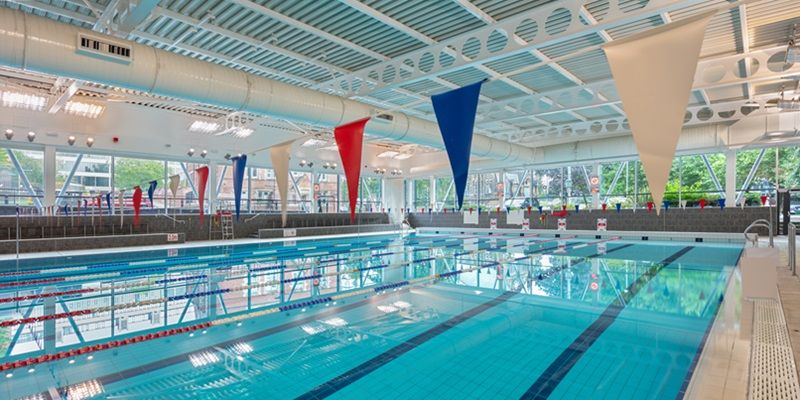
(87,19)
(293,23)
(744,37)
(60,99)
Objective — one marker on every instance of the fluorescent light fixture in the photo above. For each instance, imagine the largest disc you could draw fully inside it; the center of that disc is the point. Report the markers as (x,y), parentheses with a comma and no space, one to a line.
(242,348)
(312,330)
(86,110)
(403,156)
(23,100)
(242,133)
(84,390)
(387,309)
(204,126)
(203,358)
(388,154)
(401,304)
(335,321)
(313,143)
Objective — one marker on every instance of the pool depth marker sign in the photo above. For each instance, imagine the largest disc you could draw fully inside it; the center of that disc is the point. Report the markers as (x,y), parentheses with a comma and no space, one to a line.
(455,113)
(654,73)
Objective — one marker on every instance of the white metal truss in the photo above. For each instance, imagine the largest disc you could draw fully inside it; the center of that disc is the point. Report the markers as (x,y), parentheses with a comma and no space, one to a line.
(549,30)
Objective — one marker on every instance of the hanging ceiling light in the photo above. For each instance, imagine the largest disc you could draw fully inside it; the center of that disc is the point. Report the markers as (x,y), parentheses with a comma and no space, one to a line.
(190,152)
(9,134)
(89,142)
(71,140)
(31,136)
(204,153)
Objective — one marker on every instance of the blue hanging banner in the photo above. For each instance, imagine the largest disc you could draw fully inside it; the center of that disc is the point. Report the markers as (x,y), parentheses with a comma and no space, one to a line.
(108,202)
(455,113)
(151,190)
(239,163)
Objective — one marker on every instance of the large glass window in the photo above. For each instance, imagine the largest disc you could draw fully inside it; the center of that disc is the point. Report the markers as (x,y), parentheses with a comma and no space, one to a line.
(445,193)
(422,193)
(13,188)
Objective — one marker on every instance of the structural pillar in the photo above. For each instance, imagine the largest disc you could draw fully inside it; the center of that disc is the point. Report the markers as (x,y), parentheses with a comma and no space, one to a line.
(596,194)
(212,187)
(730,177)
(49,176)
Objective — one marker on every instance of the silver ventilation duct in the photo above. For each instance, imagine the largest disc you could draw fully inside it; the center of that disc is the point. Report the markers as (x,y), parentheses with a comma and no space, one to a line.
(40,44)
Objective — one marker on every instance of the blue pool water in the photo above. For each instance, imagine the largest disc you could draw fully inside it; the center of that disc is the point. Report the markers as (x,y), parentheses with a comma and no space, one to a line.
(421,316)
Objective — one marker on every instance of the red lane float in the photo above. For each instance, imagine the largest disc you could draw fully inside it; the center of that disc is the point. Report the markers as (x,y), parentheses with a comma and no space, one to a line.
(98,347)
(45,295)
(33,282)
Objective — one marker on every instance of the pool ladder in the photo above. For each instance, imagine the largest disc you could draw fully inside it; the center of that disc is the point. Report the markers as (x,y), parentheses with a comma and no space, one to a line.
(759,223)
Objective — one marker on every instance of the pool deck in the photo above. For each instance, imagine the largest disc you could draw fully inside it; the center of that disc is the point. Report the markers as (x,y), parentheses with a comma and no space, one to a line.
(789,290)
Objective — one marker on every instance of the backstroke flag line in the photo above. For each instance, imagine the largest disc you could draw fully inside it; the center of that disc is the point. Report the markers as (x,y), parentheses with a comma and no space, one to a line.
(280,164)
(239,164)
(350,139)
(455,113)
(654,73)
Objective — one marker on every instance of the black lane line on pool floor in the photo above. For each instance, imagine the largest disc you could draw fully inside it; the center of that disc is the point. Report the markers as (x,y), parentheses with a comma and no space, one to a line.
(334,385)
(132,372)
(562,365)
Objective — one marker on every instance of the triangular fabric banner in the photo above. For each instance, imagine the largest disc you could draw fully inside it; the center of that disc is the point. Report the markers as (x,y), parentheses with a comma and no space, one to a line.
(350,139)
(150,191)
(455,114)
(280,155)
(174,182)
(108,203)
(202,181)
(654,73)
(137,204)
(239,164)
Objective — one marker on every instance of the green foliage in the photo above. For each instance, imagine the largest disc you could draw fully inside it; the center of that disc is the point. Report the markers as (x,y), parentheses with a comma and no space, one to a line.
(129,172)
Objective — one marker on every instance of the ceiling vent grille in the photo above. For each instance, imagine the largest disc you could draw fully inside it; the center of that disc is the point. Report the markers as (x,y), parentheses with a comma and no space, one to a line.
(104,48)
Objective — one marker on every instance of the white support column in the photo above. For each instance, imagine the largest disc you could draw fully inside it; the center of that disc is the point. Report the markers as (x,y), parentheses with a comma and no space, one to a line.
(432,195)
(730,177)
(212,187)
(596,195)
(49,176)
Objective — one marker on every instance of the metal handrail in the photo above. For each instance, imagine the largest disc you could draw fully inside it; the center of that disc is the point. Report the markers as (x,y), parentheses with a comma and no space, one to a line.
(180,221)
(761,223)
(253,217)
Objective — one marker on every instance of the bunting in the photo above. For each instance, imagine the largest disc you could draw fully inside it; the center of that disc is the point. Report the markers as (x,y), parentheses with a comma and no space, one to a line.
(280,155)
(455,113)
(108,203)
(202,181)
(350,139)
(239,165)
(137,204)
(174,183)
(150,191)
(654,73)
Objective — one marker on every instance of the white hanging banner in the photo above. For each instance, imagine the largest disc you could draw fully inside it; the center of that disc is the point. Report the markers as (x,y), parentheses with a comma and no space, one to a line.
(526,224)
(515,217)
(601,224)
(493,223)
(174,182)
(280,164)
(562,224)
(654,73)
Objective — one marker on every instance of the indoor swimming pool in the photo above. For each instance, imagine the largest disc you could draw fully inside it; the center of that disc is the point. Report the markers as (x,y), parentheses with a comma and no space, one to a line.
(440,316)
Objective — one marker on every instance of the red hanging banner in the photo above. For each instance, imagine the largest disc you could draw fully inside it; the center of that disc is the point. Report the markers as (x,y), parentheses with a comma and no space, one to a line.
(350,138)
(137,204)
(202,180)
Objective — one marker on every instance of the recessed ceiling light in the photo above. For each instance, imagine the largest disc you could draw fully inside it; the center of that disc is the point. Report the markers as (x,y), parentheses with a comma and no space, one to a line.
(23,100)
(81,109)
